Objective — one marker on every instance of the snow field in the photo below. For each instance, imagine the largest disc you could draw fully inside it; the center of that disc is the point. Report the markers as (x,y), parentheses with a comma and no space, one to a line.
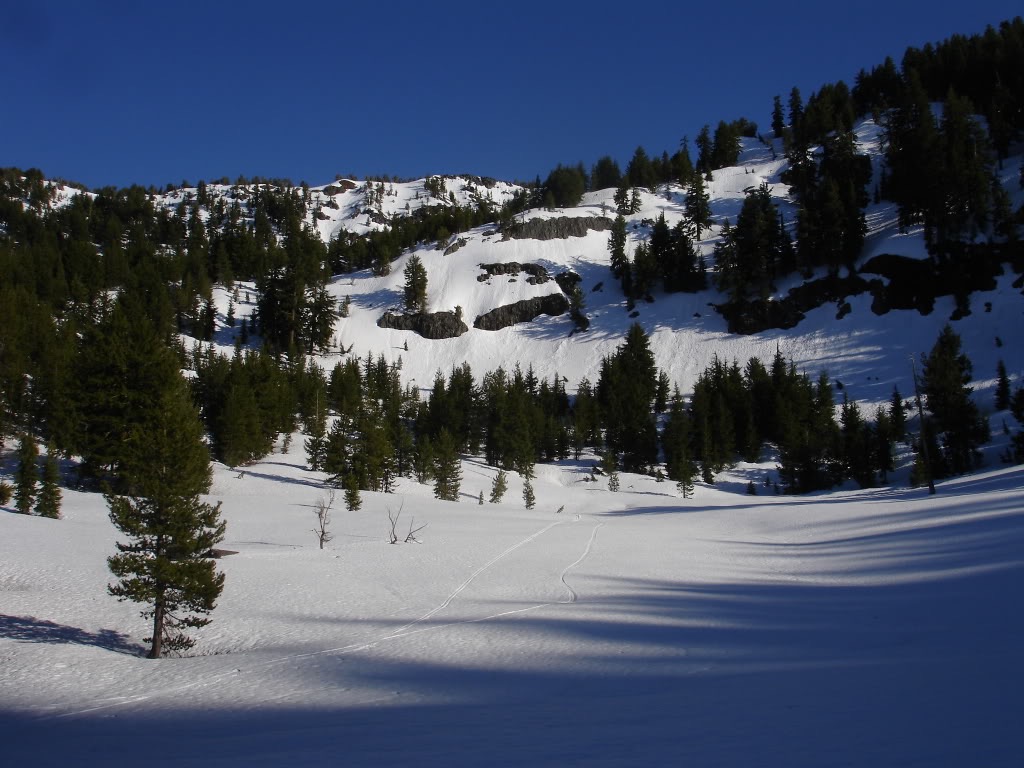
(858,627)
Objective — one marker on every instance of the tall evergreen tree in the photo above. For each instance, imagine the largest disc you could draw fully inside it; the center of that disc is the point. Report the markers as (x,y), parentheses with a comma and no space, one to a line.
(1002,387)
(415,290)
(946,373)
(617,248)
(165,564)
(48,501)
(447,468)
(26,477)
(698,205)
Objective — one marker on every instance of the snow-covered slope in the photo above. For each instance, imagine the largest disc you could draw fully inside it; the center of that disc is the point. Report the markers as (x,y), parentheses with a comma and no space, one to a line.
(858,628)
(867,353)
(872,627)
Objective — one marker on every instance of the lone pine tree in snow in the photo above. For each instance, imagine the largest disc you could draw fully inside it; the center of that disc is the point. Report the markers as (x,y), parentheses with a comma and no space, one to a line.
(166,563)
(415,290)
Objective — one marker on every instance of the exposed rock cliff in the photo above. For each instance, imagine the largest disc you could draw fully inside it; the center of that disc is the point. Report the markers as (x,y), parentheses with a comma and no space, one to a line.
(429,325)
(555,229)
(522,312)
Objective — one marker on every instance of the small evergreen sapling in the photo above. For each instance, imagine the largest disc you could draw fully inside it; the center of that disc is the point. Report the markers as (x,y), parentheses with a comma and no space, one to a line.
(498,486)
(529,497)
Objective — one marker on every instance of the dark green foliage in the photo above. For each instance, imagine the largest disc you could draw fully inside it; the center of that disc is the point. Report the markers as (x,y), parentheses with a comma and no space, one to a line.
(577,305)
(946,373)
(676,440)
(832,195)
(749,255)
(165,564)
(447,468)
(529,497)
(617,248)
(564,187)
(316,441)
(1017,409)
(897,415)
(605,174)
(626,391)
(884,437)
(353,498)
(498,486)
(245,402)
(49,498)
(725,149)
(858,446)
(778,121)
(640,171)
(26,476)
(1002,387)
(698,206)
(704,151)
(415,290)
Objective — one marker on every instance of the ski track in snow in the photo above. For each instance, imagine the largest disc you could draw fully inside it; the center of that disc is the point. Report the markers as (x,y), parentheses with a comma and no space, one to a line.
(408,630)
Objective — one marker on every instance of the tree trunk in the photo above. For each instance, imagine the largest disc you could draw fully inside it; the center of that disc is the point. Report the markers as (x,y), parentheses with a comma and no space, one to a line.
(158,631)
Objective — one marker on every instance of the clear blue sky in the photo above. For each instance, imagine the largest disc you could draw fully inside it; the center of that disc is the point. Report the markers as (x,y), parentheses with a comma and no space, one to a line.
(120,92)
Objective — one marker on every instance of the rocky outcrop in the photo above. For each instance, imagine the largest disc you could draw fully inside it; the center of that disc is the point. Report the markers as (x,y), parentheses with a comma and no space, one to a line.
(555,229)
(567,281)
(895,282)
(522,312)
(343,185)
(538,275)
(454,246)
(754,316)
(429,325)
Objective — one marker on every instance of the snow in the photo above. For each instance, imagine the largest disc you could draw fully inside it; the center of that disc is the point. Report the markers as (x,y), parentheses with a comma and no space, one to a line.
(859,627)
(874,627)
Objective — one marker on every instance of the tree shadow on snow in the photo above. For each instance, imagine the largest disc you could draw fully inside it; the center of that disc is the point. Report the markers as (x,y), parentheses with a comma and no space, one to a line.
(29,629)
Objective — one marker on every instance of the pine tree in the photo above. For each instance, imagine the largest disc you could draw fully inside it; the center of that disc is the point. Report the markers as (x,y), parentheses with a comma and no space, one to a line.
(415,290)
(617,247)
(698,205)
(529,497)
(353,498)
(166,562)
(778,121)
(577,303)
(447,468)
(48,501)
(945,376)
(897,415)
(26,476)
(498,486)
(316,442)
(1002,387)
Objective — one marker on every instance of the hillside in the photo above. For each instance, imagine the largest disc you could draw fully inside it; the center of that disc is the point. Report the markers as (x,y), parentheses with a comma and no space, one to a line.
(867,351)
(496,491)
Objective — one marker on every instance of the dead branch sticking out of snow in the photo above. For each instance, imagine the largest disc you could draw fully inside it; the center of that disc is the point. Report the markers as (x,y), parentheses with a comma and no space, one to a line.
(410,537)
(322,507)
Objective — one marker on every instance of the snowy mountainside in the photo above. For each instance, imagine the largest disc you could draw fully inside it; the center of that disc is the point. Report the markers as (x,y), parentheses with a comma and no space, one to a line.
(866,352)
(355,206)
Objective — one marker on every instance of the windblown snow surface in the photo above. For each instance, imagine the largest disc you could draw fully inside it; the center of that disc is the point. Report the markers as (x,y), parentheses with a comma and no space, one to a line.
(873,627)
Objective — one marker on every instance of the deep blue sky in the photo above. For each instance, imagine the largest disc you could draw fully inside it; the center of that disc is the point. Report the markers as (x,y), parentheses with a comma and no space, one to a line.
(120,92)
